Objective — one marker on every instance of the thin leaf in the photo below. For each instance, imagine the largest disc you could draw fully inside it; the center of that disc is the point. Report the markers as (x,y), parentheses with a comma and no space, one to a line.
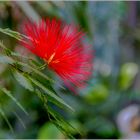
(20,120)
(58,119)
(50,93)
(23,81)
(41,96)
(44,99)
(61,119)
(5,118)
(63,125)
(14,99)
(11,33)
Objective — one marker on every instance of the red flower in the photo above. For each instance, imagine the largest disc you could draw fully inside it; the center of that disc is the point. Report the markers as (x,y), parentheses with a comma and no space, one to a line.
(61,47)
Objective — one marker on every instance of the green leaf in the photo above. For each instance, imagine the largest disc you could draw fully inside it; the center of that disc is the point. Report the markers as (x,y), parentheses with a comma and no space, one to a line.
(11,33)
(98,94)
(23,81)
(44,98)
(50,93)
(61,123)
(14,99)
(50,131)
(6,119)
(11,52)
(58,120)
(127,74)
(20,120)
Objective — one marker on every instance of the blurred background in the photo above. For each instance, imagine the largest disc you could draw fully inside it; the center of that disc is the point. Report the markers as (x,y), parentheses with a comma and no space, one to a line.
(109,106)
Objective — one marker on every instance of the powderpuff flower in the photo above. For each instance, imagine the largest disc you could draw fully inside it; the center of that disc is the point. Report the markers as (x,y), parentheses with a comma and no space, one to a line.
(61,47)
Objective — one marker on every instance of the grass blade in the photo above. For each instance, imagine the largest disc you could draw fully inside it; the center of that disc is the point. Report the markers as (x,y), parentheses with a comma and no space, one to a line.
(5,118)
(50,93)
(14,99)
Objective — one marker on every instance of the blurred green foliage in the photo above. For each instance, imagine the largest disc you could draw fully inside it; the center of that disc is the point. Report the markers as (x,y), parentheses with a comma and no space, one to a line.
(50,131)
(113,31)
